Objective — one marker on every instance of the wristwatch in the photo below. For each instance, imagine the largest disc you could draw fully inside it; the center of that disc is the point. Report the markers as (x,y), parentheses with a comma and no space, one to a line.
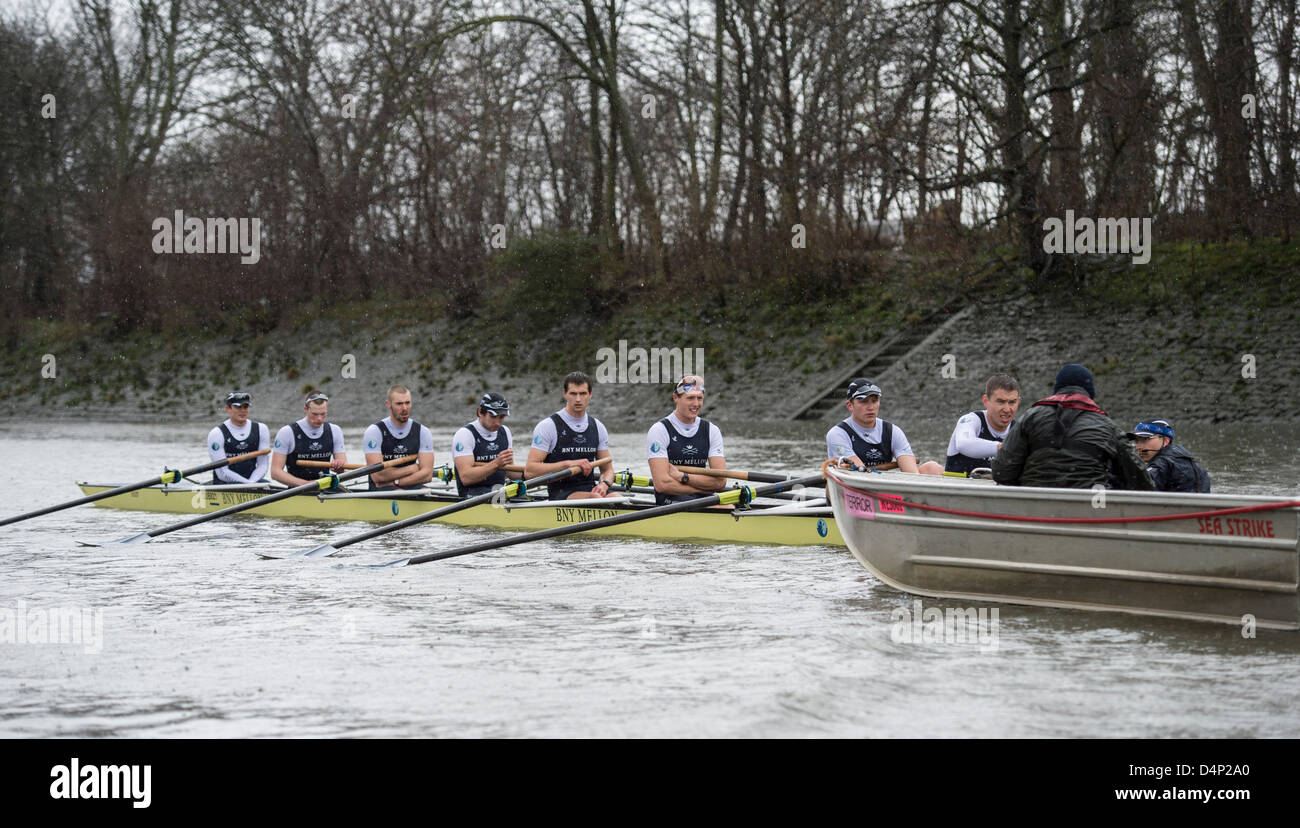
(684,478)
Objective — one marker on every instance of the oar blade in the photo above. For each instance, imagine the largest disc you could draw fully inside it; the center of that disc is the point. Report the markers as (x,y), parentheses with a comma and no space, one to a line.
(322,551)
(143,537)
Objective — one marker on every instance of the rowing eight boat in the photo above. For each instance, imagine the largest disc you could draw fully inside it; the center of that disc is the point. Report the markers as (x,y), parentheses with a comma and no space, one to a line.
(786,525)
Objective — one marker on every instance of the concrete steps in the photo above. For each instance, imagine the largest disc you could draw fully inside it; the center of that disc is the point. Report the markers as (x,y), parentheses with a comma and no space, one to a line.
(829,403)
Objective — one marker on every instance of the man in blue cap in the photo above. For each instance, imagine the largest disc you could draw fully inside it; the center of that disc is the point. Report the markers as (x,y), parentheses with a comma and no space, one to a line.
(1172,467)
(1067,441)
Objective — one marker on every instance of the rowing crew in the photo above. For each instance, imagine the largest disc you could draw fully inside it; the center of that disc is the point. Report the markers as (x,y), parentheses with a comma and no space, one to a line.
(482,450)
(1065,441)
(313,439)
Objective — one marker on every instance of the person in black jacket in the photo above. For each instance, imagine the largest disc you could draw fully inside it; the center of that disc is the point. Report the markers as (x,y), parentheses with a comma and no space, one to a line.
(1067,441)
(1172,467)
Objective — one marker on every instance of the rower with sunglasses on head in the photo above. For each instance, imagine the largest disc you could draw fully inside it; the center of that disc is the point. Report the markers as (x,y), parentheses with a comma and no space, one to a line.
(311,438)
(683,441)
(239,435)
(397,435)
(482,449)
(863,439)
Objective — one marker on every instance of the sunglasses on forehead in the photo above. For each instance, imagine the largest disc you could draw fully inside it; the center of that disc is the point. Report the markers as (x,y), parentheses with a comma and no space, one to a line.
(318,397)
(689,384)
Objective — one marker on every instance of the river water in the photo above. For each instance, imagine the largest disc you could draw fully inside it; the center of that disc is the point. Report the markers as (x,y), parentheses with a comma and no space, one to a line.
(570,637)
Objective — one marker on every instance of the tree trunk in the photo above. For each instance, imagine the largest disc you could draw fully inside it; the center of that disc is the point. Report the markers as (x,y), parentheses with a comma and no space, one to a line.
(1222,82)
(1065,175)
(1021,180)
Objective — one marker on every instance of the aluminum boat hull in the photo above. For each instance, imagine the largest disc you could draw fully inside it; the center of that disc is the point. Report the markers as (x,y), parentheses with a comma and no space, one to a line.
(1238,569)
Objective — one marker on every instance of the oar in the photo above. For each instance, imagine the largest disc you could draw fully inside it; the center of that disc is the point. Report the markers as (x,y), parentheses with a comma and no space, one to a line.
(440,473)
(759,477)
(325,464)
(637,484)
(327,482)
(742,495)
(169,476)
(509,490)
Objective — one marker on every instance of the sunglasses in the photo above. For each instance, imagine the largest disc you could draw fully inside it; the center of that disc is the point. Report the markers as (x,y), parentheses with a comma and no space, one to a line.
(318,397)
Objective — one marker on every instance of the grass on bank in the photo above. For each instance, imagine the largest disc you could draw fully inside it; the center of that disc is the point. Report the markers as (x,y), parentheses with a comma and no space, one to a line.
(548,304)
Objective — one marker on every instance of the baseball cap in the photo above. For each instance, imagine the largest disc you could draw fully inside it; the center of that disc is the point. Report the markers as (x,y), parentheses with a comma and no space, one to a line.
(1152,428)
(494,403)
(861,388)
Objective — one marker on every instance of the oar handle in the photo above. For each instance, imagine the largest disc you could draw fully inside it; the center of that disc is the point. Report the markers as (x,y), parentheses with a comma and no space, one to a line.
(601,462)
(737,474)
(572,470)
(239,458)
(325,464)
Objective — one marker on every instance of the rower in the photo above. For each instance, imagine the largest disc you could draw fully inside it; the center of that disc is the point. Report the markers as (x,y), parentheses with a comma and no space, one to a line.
(482,448)
(979,434)
(572,437)
(682,441)
(863,439)
(1172,467)
(239,435)
(311,438)
(1066,441)
(397,435)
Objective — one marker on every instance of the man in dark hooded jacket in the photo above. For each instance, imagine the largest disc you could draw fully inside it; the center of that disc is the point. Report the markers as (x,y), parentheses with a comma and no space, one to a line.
(1172,467)
(1067,441)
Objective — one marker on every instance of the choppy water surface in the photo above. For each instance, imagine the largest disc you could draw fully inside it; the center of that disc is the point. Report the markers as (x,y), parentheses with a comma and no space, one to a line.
(572,637)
